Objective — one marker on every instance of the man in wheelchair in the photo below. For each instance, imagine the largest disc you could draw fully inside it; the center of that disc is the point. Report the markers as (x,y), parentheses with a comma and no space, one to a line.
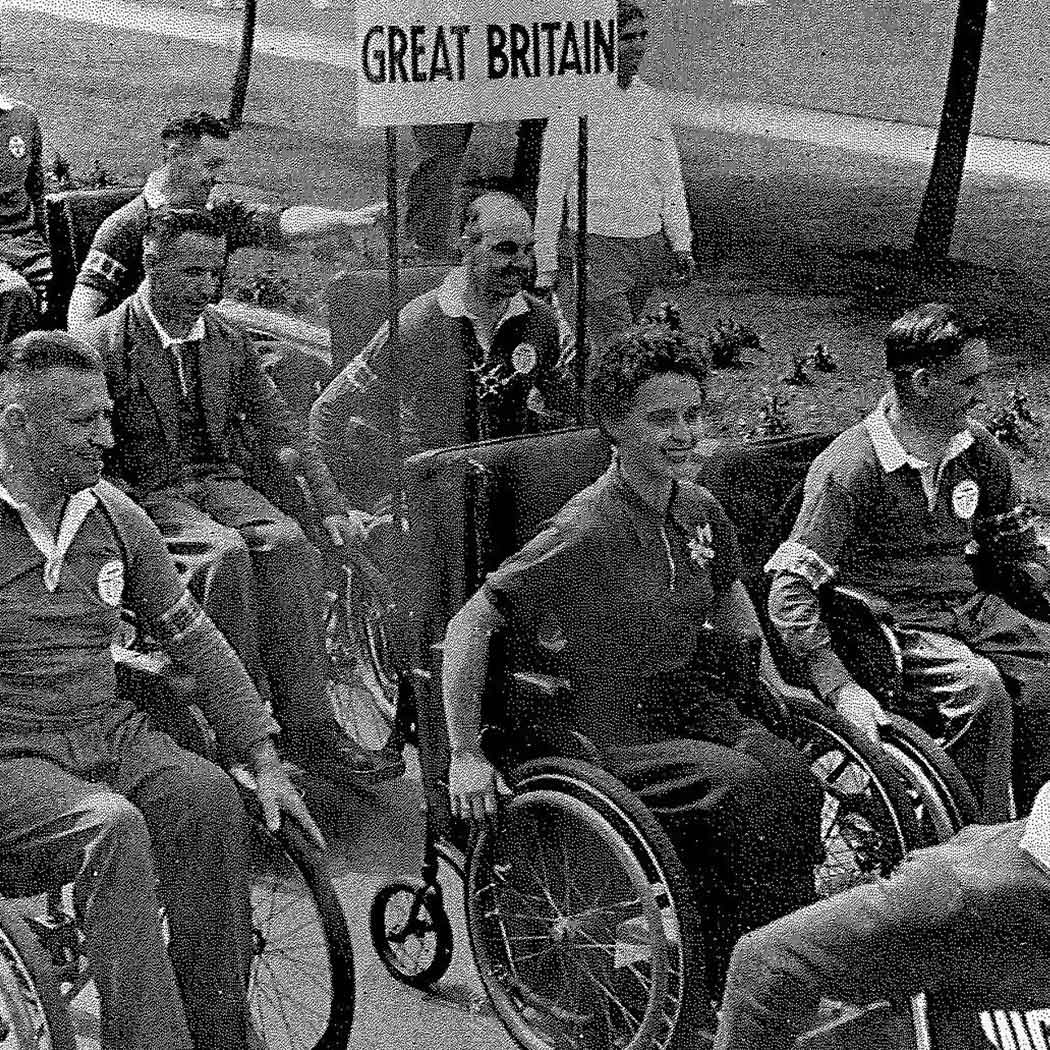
(967,922)
(896,506)
(192,403)
(89,793)
(195,154)
(634,587)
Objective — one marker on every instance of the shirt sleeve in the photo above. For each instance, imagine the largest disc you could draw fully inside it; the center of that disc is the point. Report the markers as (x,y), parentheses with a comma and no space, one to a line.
(556,161)
(117,242)
(35,178)
(673,208)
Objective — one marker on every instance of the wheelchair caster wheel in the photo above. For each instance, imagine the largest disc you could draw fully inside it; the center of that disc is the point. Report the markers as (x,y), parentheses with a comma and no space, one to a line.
(411,933)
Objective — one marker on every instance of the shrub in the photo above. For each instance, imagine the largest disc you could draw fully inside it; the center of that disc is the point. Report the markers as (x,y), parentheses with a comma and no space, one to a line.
(728,341)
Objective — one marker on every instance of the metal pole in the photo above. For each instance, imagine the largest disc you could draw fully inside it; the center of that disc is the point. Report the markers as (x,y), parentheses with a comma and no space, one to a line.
(393,311)
(581,272)
(244,66)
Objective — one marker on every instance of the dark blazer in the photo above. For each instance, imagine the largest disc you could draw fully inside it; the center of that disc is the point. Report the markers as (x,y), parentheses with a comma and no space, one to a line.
(239,399)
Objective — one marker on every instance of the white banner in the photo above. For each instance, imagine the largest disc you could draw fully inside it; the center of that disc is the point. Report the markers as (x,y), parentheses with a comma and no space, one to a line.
(428,62)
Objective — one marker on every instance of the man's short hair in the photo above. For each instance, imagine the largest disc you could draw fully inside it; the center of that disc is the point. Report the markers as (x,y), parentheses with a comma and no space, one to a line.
(477,208)
(927,335)
(41,351)
(167,225)
(657,346)
(195,126)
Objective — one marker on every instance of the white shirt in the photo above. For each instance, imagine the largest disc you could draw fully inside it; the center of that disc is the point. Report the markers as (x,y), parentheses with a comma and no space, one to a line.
(634,175)
(452,300)
(1036,838)
(174,346)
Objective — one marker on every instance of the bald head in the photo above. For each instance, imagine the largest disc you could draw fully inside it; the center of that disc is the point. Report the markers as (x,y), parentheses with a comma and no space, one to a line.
(490,211)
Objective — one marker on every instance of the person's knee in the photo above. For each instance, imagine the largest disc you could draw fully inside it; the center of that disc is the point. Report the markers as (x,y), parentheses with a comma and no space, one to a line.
(118,838)
(279,537)
(209,795)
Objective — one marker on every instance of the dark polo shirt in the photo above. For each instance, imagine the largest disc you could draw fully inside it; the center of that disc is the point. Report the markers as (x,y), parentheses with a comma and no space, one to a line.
(623,593)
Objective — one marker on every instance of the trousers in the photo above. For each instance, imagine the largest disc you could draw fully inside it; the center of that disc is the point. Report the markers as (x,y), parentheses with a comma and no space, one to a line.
(134,822)
(257,576)
(25,277)
(967,921)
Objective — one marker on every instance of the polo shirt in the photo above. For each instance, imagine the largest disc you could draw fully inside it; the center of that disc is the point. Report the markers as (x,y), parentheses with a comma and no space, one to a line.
(60,607)
(621,592)
(114,262)
(21,169)
(878,518)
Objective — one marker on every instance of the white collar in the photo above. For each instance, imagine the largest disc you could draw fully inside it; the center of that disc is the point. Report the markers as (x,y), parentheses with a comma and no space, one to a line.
(52,547)
(1036,838)
(892,455)
(7,104)
(194,335)
(452,298)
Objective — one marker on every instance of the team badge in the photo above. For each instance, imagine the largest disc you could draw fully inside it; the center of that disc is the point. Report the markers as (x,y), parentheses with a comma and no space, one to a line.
(702,549)
(524,358)
(16,146)
(550,635)
(111,582)
(964,499)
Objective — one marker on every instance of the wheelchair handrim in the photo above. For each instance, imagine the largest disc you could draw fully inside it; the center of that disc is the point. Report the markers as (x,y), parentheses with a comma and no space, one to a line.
(658,1023)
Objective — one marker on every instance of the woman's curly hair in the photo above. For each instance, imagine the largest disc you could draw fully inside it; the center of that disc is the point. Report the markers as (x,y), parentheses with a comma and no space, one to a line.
(655,346)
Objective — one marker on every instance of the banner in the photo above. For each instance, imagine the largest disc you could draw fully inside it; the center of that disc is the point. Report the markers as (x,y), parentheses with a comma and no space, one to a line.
(427,62)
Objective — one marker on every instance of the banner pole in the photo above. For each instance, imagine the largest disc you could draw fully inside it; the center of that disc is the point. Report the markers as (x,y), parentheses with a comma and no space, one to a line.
(393,320)
(581,272)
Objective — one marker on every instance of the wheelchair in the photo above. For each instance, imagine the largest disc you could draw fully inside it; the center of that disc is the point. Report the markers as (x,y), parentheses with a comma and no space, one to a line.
(580,918)
(301,986)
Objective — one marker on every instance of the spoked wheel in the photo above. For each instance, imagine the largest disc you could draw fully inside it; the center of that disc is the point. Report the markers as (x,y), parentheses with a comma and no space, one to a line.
(411,933)
(33,1014)
(581,918)
(941,799)
(364,637)
(301,988)
(868,822)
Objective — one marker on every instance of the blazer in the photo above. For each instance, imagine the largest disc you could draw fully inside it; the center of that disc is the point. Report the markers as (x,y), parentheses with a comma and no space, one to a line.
(240,401)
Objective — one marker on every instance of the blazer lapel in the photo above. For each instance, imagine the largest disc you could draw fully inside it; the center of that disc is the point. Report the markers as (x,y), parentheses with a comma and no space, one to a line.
(215,379)
(152,364)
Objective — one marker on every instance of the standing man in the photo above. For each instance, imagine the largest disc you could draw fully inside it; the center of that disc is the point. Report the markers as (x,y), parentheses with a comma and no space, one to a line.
(895,506)
(479,358)
(25,260)
(638,229)
(196,149)
(89,794)
(190,399)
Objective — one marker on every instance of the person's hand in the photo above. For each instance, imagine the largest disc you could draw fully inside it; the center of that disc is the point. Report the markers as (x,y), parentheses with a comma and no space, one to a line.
(369,215)
(858,706)
(346,530)
(684,265)
(278,795)
(474,785)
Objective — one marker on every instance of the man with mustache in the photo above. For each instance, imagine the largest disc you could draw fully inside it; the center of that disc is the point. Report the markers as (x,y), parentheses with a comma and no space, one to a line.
(479,358)
(895,506)
(196,150)
(191,400)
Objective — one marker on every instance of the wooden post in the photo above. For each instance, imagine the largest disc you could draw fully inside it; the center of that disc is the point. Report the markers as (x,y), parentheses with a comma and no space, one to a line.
(581,272)
(936,223)
(239,91)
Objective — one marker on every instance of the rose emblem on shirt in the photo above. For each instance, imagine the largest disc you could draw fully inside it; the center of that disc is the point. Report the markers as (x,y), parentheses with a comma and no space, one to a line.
(524,358)
(16,146)
(702,549)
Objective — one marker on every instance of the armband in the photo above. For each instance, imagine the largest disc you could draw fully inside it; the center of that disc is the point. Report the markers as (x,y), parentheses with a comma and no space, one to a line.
(182,617)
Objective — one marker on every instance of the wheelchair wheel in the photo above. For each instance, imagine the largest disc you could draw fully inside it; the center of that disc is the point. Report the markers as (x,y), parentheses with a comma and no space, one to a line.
(33,1014)
(581,918)
(868,822)
(941,799)
(364,639)
(301,988)
(411,933)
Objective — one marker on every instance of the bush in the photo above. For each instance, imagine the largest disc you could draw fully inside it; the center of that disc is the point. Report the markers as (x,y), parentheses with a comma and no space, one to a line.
(772,417)
(1014,424)
(727,343)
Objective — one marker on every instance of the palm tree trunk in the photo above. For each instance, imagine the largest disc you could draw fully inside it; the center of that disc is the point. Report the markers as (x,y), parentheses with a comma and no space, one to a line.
(933,232)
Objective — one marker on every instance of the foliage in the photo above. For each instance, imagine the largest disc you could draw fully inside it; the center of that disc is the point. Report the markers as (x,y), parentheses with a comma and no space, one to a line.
(823,359)
(1015,424)
(798,376)
(269,290)
(62,175)
(728,341)
(773,417)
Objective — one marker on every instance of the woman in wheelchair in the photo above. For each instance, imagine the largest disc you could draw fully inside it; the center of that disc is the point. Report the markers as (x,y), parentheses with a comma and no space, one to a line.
(633,588)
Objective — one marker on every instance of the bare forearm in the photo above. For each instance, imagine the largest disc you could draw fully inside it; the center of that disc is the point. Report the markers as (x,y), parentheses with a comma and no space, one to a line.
(305,222)
(85,304)
(464,670)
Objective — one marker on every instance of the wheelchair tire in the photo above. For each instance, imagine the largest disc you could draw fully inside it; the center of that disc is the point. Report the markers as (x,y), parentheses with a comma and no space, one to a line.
(578,878)
(365,640)
(941,798)
(868,823)
(33,1014)
(405,914)
(302,972)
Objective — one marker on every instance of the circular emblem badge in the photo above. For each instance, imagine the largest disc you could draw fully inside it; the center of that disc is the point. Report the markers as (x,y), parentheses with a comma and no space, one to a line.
(111,582)
(16,146)
(964,499)
(524,358)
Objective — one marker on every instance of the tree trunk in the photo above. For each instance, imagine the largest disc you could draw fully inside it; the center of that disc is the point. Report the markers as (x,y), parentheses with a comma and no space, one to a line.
(933,232)
(244,66)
